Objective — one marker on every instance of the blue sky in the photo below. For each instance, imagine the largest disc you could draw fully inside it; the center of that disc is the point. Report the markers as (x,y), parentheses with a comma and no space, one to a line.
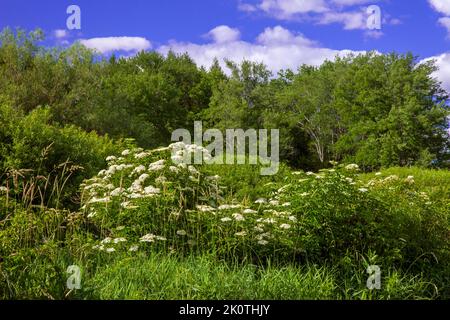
(281,33)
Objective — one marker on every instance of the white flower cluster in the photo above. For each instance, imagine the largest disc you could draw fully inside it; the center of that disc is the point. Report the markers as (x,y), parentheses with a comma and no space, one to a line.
(352,167)
(101,189)
(156,166)
(238,217)
(99,200)
(229,206)
(124,182)
(152,238)
(203,208)
(141,155)
(138,170)
(182,153)
(105,244)
(266,219)
(410,180)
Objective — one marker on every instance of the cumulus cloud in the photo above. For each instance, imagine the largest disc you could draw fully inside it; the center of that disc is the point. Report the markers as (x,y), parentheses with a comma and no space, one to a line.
(445,22)
(350,20)
(281,36)
(441,6)
(110,44)
(443,74)
(289,9)
(285,9)
(222,34)
(348,13)
(276,47)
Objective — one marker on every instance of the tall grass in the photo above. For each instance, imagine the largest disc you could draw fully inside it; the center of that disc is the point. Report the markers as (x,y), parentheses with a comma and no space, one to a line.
(198,233)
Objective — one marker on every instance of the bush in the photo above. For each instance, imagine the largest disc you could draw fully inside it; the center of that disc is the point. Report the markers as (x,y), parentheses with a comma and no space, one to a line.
(339,214)
(59,158)
(308,217)
(146,203)
(33,251)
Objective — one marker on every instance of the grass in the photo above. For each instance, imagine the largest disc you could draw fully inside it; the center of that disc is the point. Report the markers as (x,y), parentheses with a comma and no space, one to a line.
(434,182)
(311,236)
(164,277)
(156,276)
(202,277)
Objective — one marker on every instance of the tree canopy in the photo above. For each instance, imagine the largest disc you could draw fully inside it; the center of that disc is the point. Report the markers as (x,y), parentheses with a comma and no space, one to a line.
(373,109)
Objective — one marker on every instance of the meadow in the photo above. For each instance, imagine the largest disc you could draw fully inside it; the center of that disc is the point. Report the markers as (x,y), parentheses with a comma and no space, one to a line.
(90,179)
(151,229)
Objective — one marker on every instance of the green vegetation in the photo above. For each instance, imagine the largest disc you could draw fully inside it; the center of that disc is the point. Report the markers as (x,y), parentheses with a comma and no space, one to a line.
(88,177)
(185,235)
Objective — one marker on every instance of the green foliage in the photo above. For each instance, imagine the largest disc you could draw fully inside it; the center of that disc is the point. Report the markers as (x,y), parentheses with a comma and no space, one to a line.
(340,216)
(433,182)
(61,156)
(245,182)
(149,96)
(69,194)
(375,110)
(331,216)
(33,252)
(143,213)
(168,277)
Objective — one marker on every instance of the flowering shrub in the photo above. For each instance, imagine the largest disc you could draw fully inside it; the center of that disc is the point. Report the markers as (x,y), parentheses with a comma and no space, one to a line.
(149,202)
(143,195)
(150,199)
(153,198)
(340,216)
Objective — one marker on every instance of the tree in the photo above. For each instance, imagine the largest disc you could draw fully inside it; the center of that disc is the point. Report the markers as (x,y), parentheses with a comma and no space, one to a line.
(392,109)
(309,100)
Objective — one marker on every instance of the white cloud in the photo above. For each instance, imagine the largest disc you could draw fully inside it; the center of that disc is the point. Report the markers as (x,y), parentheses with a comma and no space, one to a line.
(222,34)
(288,9)
(349,13)
(442,6)
(110,44)
(60,33)
(279,36)
(276,47)
(352,2)
(350,20)
(443,74)
(285,9)
(246,7)
(445,22)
